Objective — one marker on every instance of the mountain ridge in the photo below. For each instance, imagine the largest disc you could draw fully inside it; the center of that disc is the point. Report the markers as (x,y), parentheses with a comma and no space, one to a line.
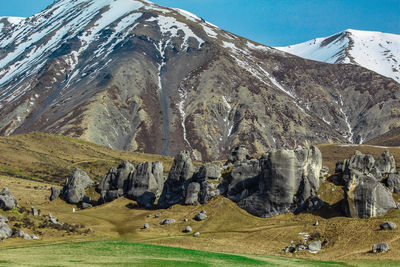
(372,50)
(151,79)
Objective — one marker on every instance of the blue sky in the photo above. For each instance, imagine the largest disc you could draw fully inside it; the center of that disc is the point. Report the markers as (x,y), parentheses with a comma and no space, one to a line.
(271,22)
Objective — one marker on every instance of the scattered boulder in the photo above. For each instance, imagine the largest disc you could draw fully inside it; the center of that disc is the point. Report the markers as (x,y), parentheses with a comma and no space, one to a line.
(55,193)
(146,226)
(35,212)
(7,200)
(201,216)
(53,219)
(174,190)
(85,205)
(185,220)
(188,229)
(5,230)
(197,234)
(34,237)
(388,226)
(365,197)
(157,215)
(314,246)
(146,184)
(167,221)
(381,247)
(74,189)
(393,183)
(19,233)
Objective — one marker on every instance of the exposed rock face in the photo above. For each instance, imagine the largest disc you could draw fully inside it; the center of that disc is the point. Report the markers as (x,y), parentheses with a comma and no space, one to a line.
(7,200)
(386,163)
(55,193)
(268,98)
(365,197)
(239,153)
(288,178)
(74,189)
(175,186)
(117,179)
(393,183)
(244,179)
(146,184)
(192,194)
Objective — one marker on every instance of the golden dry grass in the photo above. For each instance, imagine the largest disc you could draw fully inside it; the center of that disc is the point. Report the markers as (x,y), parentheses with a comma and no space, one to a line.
(227,229)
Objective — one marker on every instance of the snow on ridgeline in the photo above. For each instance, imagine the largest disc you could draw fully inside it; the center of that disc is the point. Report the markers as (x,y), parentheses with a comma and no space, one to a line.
(376,51)
(64,18)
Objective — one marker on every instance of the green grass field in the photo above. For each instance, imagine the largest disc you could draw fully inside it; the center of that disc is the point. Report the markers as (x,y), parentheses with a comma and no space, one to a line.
(121,253)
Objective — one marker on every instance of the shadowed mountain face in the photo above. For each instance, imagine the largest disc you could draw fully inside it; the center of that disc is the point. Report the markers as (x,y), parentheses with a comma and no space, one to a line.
(135,76)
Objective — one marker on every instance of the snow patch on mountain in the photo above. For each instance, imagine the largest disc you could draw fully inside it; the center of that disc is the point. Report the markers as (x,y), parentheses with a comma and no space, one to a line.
(376,51)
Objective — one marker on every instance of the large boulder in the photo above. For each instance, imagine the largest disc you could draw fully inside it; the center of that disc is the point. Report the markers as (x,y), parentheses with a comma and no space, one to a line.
(386,163)
(393,182)
(287,180)
(181,172)
(5,230)
(55,193)
(381,247)
(7,200)
(117,179)
(244,179)
(365,197)
(74,189)
(146,184)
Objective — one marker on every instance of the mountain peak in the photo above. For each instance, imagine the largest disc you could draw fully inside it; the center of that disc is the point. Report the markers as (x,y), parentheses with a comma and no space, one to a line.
(377,51)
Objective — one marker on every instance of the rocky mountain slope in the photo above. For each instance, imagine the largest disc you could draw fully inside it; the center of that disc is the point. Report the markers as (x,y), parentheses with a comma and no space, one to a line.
(6,23)
(376,51)
(132,75)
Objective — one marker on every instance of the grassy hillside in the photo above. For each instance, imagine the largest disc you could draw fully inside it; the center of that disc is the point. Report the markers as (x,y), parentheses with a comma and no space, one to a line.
(51,158)
(43,160)
(391,138)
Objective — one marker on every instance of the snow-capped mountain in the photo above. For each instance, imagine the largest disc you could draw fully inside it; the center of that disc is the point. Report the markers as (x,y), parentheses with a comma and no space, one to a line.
(7,22)
(132,75)
(376,51)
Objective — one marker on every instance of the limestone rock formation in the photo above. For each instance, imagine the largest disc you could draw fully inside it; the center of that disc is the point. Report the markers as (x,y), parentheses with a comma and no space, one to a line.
(146,183)
(7,200)
(55,193)
(115,183)
(175,186)
(5,230)
(288,178)
(74,189)
(365,197)
(393,182)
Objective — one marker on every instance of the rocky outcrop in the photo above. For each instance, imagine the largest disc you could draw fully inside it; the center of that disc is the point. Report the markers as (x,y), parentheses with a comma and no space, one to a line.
(387,226)
(287,179)
(146,183)
(116,182)
(386,163)
(7,200)
(175,186)
(393,183)
(74,189)
(5,230)
(365,197)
